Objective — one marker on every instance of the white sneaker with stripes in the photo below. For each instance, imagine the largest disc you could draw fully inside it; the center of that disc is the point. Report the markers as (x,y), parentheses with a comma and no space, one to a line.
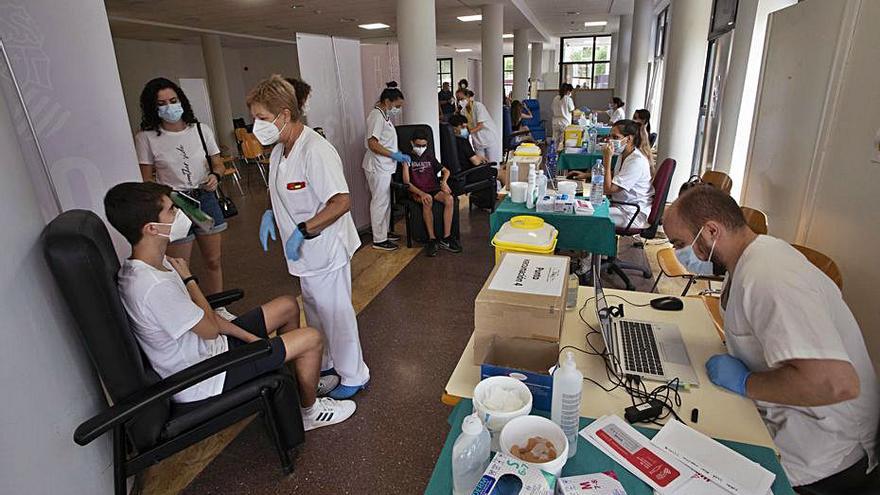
(327,412)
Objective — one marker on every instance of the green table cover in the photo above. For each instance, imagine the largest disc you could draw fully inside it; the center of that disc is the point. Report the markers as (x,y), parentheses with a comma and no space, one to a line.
(580,161)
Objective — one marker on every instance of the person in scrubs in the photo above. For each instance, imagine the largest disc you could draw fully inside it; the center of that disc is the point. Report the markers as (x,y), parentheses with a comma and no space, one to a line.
(793,347)
(380,163)
(310,206)
(481,126)
(562,107)
(615,110)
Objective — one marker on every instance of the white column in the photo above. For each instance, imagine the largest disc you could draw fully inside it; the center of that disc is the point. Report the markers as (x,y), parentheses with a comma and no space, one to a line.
(493,75)
(417,45)
(640,53)
(683,83)
(624,38)
(218,88)
(536,69)
(520,64)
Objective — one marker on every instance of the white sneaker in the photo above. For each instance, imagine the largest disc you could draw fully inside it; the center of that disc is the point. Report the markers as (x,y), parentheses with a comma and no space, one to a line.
(224,313)
(326,384)
(327,412)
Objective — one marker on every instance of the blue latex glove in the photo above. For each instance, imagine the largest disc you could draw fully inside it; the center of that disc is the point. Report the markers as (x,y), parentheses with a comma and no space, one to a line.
(294,242)
(728,372)
(267,229)
(400,157)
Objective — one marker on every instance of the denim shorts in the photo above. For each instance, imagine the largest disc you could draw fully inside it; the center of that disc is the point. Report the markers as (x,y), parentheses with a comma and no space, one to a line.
(211,205)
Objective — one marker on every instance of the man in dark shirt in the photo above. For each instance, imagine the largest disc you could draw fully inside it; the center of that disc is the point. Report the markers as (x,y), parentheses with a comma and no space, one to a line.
(468,159)
(446,102)
(425,188)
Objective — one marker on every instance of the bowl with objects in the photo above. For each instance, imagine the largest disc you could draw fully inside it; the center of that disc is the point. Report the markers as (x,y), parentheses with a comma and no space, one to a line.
(499,399)
(537,441)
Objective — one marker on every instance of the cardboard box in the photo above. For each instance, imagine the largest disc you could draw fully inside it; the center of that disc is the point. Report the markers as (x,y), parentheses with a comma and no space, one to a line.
(523,297)
(527,360)
(504,473)
(522,163)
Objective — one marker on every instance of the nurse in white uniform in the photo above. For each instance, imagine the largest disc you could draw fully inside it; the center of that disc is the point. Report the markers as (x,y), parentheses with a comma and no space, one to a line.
(310,205)
(562,107)
(482,128)
(615,110)
(380,163)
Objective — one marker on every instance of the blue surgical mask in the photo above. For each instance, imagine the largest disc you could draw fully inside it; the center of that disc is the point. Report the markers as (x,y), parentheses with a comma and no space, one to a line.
(464,133)
(171,112)
(688,258)
(394,111)
(617,146)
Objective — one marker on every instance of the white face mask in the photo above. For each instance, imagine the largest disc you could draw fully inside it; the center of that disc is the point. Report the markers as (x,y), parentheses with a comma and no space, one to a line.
(179,227)
(393,111)
(617,146)
(266,132)
(418,150)
(306,107)
(689,259)
(462,103)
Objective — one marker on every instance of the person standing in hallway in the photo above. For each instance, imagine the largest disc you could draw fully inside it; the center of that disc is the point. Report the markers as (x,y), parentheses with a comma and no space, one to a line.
(173,149)
(562,107)
(446,101)
(311,208)
(380,163)
(481,127)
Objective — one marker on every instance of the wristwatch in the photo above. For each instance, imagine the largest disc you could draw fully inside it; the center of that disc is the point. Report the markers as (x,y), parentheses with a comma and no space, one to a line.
(302,228)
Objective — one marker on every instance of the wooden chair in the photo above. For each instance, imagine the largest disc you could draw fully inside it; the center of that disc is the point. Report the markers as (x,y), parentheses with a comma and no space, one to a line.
(252,153)
(756,219)
(822,262)
(718,179)
(713,304)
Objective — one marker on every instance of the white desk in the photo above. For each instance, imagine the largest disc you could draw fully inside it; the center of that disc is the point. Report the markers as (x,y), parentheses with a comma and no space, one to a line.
(722,415)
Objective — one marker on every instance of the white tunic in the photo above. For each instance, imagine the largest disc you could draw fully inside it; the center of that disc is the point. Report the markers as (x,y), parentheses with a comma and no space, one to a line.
(781,307)
(487,136)
(562,107)
(633,177)
(381,128)
(300,186)
(617,114)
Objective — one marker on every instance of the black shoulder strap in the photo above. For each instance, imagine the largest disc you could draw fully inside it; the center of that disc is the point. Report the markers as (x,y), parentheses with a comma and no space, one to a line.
(204,146)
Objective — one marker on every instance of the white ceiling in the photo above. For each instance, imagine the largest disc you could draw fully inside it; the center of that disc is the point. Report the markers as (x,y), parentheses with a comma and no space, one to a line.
(278,19)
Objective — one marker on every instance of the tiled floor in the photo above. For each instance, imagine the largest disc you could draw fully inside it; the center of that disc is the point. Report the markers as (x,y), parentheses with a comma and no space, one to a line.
(415,317)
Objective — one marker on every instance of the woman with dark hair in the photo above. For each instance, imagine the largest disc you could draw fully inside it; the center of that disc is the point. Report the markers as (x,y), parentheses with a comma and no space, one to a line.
(562,107)
(643,116)
(302,90)
(615,110)
(172,149)
(518,114)
(380,163)
(463,84)
(632,182)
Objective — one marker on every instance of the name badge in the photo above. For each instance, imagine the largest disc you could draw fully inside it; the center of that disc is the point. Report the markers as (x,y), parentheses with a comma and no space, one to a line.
(295,186)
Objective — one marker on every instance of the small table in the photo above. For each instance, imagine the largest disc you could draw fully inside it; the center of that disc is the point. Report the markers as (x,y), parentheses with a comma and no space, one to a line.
(590,460)
(580,161)
(591,233)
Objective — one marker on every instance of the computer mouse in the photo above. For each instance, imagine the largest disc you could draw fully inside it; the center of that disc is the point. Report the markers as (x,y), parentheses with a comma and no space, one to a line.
(667,303)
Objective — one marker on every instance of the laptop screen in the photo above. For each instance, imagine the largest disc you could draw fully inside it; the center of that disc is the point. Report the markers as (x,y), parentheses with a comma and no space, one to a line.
(602,314)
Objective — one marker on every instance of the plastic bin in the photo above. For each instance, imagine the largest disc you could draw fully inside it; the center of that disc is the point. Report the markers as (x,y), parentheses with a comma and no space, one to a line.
(525,234)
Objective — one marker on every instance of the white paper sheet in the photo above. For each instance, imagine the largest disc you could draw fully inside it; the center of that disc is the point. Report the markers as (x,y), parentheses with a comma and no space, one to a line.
(530,274)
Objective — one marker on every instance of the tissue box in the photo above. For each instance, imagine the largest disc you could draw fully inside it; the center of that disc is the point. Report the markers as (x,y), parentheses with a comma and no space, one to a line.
(547,204)
(583,207)
(595,484)
(564,204)
(508,475)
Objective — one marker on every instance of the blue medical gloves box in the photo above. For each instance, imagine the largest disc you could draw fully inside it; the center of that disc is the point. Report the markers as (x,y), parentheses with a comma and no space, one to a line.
(528,360)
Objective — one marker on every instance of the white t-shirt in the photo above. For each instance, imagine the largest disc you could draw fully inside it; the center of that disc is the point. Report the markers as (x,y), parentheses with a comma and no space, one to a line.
(781,307)
(634,179)
(381,128)
(163,314)
(485,137)
(616,114)
(562,107)
(300,186)
(178,156)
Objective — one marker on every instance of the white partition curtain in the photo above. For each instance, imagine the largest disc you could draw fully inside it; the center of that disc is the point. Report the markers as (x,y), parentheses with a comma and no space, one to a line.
(381,64)
(332,66)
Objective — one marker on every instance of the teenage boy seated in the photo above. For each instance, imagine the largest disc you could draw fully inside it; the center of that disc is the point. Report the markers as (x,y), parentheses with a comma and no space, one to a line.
(425,188)
(174,323)
(467,157)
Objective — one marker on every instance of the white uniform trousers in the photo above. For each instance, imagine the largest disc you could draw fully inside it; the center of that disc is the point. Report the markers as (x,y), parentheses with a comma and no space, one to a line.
(380,203)
(327,301)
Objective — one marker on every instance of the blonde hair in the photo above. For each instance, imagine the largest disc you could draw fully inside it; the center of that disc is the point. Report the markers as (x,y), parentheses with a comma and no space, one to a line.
(275,94)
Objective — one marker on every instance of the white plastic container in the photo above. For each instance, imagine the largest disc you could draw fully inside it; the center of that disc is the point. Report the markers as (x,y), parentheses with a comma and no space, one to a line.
(565,408)
(470,455)
(567,187)
(532,190)
(514,173)
(518,432)
(518,191)
(495,419)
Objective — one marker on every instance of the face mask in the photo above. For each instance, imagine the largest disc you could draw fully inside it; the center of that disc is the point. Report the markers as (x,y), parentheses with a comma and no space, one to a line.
(463,133)
(418,150)
(610,106)
(179,227)
(617,146)
(688,258)
(306,106)
(171,112)
(394,111)
(462,103)
(266,132)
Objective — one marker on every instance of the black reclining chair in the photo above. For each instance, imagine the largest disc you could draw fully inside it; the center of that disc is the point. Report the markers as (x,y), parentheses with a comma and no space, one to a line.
(401,200)
(478,182)
(147,426)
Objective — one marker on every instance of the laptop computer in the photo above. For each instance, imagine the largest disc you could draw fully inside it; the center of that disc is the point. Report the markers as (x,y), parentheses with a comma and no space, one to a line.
(651,350)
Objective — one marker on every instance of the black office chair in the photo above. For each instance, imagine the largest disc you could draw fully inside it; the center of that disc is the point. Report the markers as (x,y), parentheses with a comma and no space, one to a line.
(477,182)
(147,426)
(401,200)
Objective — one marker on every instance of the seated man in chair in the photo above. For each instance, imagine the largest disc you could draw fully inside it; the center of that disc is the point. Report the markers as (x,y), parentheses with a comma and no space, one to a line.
(425,188)
(467,157)
(174,323)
